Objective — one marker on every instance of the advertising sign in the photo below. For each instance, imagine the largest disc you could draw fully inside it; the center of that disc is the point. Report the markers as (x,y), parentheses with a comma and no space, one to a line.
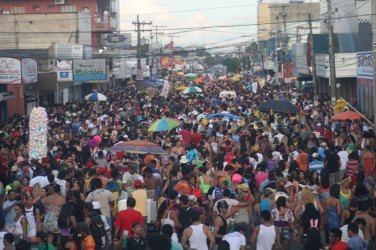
(10,70)
(29,70)
(165,62)
(64,71)
(118,40)
(88,70)
(364,65)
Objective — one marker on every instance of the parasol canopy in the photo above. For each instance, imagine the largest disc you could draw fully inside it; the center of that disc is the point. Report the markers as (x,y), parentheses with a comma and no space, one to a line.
(279,106)
(138,147)
(96,97)
(181,88)
(192,89)
(164,124)
(223,114)
(347,115)
(198,80)
(227,93)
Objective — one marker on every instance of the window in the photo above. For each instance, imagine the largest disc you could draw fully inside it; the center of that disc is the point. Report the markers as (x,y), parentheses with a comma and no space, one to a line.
(36,8)
(68,8)
(86,9)
(17,10)
(51,7)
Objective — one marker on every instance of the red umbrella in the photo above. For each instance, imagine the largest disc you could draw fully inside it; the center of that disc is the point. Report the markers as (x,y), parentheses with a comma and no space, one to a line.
(347,115)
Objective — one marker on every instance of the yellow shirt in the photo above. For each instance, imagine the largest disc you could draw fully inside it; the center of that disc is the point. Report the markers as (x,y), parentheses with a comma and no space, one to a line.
(141,197)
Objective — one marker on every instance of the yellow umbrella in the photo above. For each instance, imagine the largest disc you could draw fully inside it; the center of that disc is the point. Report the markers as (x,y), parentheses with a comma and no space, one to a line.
(180,73)
(238,76)
(181,88)
(235,79)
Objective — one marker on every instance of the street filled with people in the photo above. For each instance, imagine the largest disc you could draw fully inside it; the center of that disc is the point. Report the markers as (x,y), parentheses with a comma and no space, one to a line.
(199,169)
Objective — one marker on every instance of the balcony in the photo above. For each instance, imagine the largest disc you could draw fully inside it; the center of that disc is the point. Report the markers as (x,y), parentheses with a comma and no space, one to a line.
(101,23)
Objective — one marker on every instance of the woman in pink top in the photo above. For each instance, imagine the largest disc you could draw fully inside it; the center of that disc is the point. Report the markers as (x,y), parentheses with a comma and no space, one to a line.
(262,175)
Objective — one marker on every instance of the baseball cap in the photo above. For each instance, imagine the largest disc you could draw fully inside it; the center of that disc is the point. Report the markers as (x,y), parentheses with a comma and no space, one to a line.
(138,183)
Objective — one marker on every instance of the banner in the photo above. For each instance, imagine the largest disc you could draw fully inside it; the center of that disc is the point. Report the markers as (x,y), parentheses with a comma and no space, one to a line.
(254,87)
(364,65)
(64,71)
(287,70)
(165,89)
(165,62)
(29,70)
(10,70)
(88,70)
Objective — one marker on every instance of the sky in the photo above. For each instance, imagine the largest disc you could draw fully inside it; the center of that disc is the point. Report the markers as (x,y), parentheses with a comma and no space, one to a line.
(179,14)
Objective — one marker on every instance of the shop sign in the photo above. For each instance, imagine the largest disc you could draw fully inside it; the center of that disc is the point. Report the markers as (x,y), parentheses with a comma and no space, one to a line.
(29,70)
(10,70)
(90,69)
(364,65)
(64,71)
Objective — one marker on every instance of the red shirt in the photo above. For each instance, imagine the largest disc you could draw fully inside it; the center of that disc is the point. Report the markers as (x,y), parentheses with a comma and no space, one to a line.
(340,245)
(126,218)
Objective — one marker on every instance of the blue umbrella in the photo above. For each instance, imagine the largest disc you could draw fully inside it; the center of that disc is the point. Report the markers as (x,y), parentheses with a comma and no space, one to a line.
(278,106)
(96,97)
(148,84)
(231,116)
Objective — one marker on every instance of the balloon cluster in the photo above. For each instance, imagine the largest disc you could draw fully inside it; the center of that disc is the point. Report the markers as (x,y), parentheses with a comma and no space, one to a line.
(38,133)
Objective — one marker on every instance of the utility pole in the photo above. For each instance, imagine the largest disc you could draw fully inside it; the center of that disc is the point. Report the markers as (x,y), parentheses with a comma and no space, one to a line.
(374,58)
(172,51)
(140,73)
(156,31)
(332,63)
(276,52)
(283,14)
(313,62)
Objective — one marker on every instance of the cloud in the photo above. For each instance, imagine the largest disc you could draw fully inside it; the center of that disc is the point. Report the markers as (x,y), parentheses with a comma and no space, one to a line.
(130,8)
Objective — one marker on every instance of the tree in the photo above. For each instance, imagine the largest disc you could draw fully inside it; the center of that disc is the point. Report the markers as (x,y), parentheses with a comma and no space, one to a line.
(232,64)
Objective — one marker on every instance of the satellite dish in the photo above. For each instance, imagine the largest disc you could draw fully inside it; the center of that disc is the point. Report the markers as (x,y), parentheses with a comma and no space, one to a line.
(338,85)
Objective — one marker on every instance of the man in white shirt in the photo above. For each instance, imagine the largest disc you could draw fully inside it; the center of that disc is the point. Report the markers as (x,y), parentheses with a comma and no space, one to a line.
(343,157)
(129,178)
(236,239)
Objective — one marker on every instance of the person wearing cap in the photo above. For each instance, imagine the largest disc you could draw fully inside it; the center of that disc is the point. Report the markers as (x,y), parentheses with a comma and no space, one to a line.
(316,164)
(130,177)
(141,197)
(220,222)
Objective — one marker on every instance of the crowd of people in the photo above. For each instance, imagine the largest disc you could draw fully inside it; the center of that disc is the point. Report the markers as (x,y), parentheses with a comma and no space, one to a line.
(264,181)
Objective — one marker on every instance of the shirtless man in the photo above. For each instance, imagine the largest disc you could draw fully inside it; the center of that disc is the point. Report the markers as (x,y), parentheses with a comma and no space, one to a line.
(370,228)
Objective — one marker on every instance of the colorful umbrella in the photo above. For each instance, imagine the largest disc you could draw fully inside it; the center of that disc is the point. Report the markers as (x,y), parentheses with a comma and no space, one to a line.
(138,147)
(192,89)
(96,97)
(198,80)
(279,106)
(347,115)
(238,76)
(191,76)
(164,124)
(230,116)
(235,79)
(181,88)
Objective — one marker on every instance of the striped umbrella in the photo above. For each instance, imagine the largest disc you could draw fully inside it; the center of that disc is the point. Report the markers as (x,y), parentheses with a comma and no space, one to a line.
(192,89)
(138,147)
(96,97)
(164,124)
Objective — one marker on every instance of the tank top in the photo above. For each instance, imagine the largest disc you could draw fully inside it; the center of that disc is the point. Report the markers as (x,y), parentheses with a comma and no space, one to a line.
(198,238)
(31,224)
(266,237)
(19,230)
(345,199)
(265,205)
(223,229)
(168,221)
(204,187)
(63,187)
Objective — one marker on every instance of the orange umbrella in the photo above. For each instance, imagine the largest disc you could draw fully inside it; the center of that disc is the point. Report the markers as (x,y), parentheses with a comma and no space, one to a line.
(198,80)
(348,115)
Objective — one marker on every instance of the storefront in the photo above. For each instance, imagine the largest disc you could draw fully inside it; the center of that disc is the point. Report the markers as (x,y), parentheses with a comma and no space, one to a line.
(364,72)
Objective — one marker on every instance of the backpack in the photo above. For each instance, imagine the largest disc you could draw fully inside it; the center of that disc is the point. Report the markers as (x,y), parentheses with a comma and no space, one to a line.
(218,194)
(97,229)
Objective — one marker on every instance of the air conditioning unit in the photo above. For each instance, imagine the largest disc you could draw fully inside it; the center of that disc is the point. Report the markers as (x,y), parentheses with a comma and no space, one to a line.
(59,2)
